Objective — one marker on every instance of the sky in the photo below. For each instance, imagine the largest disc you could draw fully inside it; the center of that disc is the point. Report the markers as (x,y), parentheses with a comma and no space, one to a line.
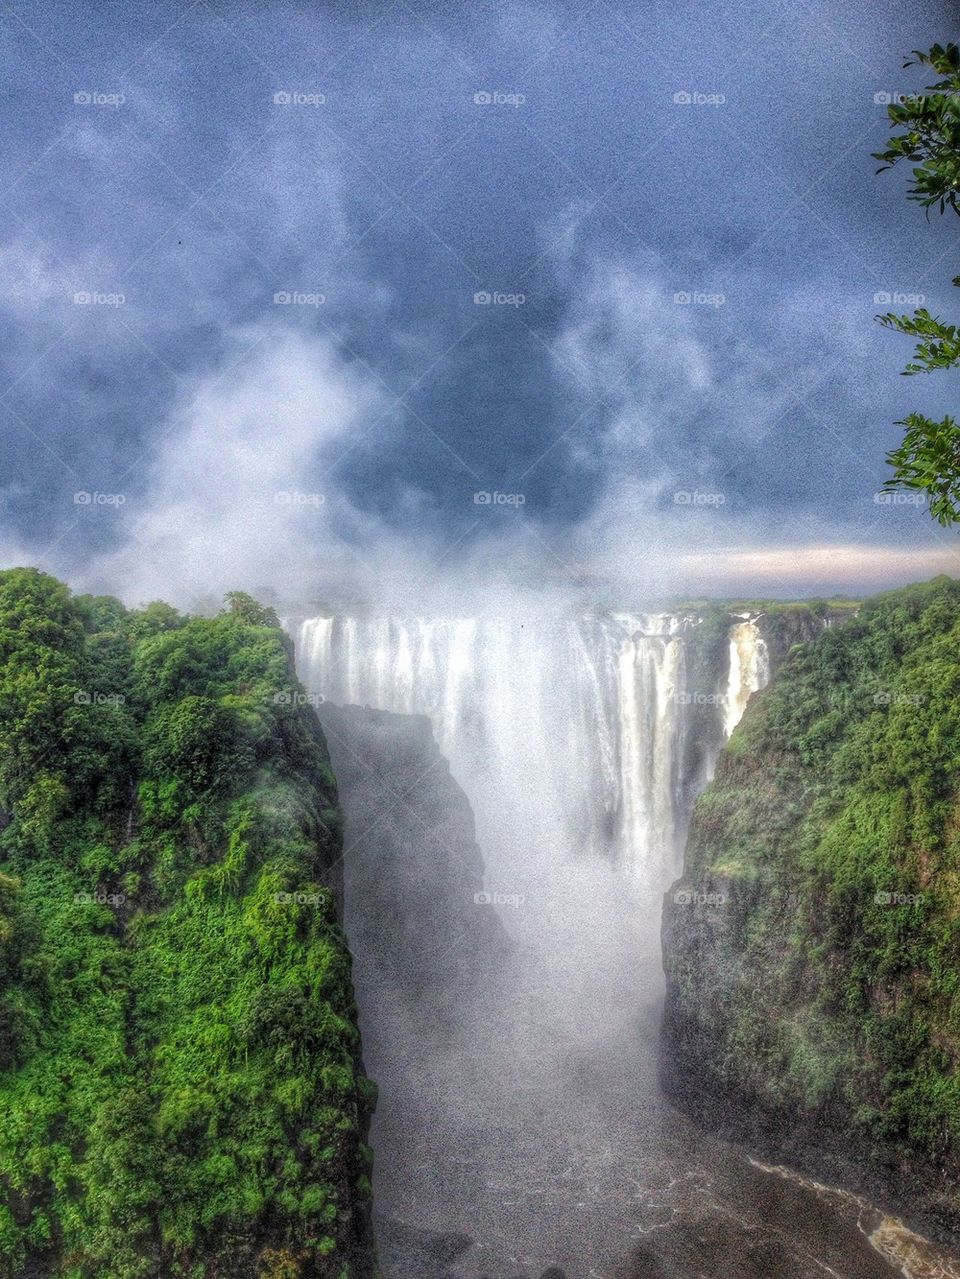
(327,299)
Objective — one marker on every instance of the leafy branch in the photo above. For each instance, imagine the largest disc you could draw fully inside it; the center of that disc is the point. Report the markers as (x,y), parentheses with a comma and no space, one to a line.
(928,460)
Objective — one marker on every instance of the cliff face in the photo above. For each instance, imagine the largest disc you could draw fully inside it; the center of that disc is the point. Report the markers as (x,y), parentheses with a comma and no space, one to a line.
(812,944)
(181,1091)
(776,628)
(428,946)
(783,625)
(422,931)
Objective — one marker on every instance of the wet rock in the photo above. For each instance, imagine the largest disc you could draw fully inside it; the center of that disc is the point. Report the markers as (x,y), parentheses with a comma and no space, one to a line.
(410,1252)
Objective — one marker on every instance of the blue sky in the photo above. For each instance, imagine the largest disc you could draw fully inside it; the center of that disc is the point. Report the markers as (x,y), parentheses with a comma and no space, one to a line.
(677,382)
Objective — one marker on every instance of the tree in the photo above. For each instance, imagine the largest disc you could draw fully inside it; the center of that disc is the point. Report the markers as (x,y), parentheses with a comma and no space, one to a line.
(178,1042)
(244,606)
(9,970)
(929,138)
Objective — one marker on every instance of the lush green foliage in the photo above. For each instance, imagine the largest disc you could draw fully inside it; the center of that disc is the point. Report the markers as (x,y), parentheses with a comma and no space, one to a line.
(180,1085)
(930,131)
(928,460)
(828,979)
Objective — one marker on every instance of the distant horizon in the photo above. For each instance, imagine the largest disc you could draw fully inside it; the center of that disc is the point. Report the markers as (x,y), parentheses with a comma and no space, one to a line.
(320,602)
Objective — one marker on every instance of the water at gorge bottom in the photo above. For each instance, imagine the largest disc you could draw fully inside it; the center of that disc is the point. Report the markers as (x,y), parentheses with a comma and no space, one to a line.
(543,1138)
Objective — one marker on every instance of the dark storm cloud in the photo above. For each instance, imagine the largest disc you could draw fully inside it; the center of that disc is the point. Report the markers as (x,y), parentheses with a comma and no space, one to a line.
(595,255)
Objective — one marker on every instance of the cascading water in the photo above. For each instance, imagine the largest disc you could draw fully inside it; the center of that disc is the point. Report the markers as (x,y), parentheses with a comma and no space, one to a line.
(534,1127)
(584,718)
(749,670)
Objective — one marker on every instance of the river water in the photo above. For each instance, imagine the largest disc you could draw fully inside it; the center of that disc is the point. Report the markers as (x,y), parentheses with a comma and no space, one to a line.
(545,1140)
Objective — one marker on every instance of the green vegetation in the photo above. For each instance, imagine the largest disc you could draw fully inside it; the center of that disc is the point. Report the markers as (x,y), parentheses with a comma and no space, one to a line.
(819,607)
(836,607)
(825,989)
(928,460)
(181,1091)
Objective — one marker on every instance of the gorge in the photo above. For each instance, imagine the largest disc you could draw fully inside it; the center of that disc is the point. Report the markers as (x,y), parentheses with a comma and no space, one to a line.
(532,1132)
(493,806)
(479,714)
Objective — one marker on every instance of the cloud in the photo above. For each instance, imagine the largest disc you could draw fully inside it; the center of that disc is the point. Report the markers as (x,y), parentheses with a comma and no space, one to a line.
(232,435)
(235,491)
(29,276)
(240,485)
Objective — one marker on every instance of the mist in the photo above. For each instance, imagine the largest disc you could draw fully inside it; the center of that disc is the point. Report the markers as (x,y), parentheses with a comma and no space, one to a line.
(241,488)
(505,1054)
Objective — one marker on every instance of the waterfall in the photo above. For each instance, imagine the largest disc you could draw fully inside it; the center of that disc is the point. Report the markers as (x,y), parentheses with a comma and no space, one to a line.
(651,675)
(569,732)
(749,670)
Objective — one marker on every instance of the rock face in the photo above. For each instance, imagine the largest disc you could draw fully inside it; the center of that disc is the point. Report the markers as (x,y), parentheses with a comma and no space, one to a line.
(421,929)
(812,943)
(783,625)
(719,641)
(427,946)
